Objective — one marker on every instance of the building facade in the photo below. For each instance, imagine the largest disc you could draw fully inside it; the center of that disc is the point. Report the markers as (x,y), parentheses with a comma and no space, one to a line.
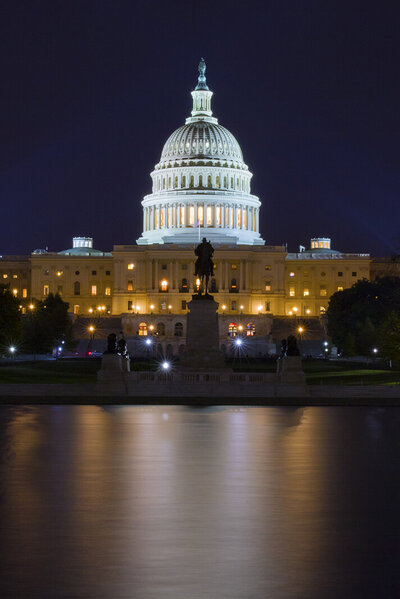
(201,187)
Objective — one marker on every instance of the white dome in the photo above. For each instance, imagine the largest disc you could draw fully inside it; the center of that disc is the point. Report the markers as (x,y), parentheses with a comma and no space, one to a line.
(201,140)
(202,182)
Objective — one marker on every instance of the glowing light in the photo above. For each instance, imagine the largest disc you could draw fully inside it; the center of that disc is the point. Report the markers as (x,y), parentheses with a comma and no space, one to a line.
(375,350)
(137,308)
(91,328)
(290,313)
(151,327)
(15,291)
(90,310)
(240,327)
(31,307)
(165,365)
(151,306)
(238,342)
(12,349)
(325,343)
(295,309)
(259,308)
(169,307)
(60,349)
(131,266)
(291,274)
(59,273)
(148,342)
(300,330)
(308,311)
(224,307)
(241,307)
(164,285)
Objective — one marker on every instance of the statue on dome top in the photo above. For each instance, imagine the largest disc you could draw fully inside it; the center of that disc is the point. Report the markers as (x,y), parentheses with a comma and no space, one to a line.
(202,77)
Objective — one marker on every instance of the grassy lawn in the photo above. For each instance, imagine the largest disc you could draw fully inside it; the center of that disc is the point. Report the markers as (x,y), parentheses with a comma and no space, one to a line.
(84,370)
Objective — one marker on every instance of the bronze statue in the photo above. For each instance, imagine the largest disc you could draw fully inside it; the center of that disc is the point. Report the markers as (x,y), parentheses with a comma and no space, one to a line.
(204,267)
(111,344)
(292,349)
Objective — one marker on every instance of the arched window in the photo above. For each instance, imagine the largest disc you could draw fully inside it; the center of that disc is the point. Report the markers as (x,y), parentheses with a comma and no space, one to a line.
(234,285)
(191,215)
(161,329)
(191,184)
(200,180)
(76,309)
(184,181)
(163,183)
(178,330)
(77,288)
(184,285)
(164,285)
(176,182)
(217,182)
(169,183)
(225,182)
(213,286)
(209,184)
(143,329)
(232,329)
(250,330)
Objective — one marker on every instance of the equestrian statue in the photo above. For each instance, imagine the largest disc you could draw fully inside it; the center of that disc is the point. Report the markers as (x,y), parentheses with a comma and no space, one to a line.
(204,267)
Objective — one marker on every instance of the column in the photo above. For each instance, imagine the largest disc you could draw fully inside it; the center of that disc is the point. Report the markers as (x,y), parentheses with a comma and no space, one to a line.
(257,220)
(171,274)
(150,275)
(186,215)
(247,274)
(177,282)
(241,276)
(155,275)
(226,285)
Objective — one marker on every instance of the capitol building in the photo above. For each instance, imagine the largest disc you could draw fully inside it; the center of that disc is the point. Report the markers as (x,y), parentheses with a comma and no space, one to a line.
(201,187)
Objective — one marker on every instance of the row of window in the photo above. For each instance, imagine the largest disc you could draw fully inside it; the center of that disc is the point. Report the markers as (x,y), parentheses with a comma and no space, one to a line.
(203,182)
(163,306)
(77,289)
(5,275)
(306,291)
(211,216)
(323,274)
(60,273)
(233,329)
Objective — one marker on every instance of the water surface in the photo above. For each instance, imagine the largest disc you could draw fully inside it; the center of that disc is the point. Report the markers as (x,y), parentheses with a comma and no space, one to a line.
(180,503)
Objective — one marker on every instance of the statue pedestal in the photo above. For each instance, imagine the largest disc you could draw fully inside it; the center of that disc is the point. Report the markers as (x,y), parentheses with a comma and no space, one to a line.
(111,363)
(290,370)
(202,339)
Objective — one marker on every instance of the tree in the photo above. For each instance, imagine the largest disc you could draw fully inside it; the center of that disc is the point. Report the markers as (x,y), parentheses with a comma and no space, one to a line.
(349,347)
(361,311)
(390,337)
(47,325)
(10,319)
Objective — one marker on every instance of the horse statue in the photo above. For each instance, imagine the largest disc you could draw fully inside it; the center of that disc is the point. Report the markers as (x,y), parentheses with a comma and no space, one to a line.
(204,267)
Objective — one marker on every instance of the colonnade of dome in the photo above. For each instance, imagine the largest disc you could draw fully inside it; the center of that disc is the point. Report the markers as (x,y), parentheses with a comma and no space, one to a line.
(201,181)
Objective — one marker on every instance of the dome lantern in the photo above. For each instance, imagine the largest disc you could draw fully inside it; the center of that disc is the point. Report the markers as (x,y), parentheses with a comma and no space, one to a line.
(201,98)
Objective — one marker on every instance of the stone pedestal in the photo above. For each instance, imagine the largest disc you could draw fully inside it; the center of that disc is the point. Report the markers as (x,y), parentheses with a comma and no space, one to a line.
(111,363)
(202,339)
(290,370)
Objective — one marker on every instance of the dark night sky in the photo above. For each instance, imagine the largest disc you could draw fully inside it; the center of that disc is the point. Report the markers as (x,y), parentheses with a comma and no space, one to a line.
(90,91)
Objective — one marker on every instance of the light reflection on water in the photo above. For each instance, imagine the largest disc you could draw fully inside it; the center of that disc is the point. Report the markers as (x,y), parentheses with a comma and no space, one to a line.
(173,502)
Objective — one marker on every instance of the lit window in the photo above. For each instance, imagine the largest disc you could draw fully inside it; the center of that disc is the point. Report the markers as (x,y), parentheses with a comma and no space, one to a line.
(15,292)
(182,219)
(244,219)
(209,215)
(322,290)
(291,274)
(5,276)
(250,330)
(24,293)
(267,285)
(234,267)
(108,291)
(76,309)
(191,215)
(340,288)
(292,292)
(239,219)
(267,267)
(322,309)
(232,329)
(15,276)
(131,266)
(130,286)
(200,215)
(143,329)
(45,290)
(164,285)
(306,292)
(94,289)
(218,212)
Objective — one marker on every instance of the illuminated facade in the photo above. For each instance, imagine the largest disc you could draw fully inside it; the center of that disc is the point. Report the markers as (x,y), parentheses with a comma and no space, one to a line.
(201,187)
